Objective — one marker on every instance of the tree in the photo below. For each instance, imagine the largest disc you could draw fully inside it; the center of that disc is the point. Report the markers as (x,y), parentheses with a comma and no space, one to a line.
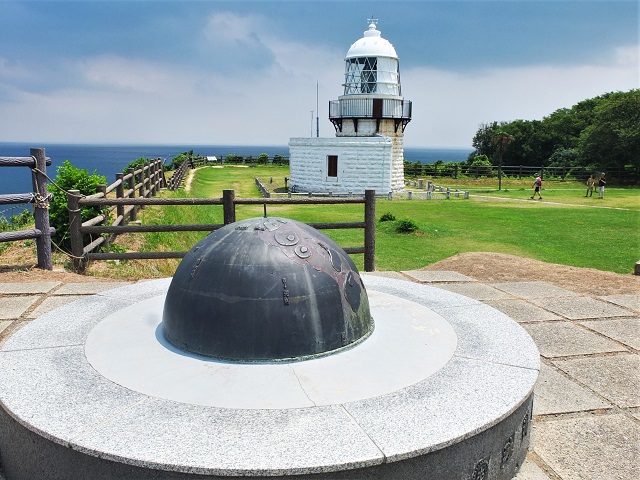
(597,133)
(501,140)
(263,158)
(612,140)
(482,140)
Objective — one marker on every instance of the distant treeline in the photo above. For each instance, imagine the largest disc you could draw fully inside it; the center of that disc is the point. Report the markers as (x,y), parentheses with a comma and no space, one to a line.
(598,134)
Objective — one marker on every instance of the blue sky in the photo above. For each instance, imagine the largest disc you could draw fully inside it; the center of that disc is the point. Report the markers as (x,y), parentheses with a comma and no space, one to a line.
(245,72)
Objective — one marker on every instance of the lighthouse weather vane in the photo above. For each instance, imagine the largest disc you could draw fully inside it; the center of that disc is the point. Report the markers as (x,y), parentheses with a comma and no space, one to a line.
(372,20)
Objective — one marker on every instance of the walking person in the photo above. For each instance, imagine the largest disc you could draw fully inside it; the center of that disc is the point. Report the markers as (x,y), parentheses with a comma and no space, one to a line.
(537,185)
(601,183)
(590,183)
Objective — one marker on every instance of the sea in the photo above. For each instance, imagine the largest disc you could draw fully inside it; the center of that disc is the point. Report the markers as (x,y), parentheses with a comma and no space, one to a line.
(108,160)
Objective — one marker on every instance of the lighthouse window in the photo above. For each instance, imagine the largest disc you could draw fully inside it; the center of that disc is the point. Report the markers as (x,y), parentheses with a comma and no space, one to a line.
(361,75)
(332,165)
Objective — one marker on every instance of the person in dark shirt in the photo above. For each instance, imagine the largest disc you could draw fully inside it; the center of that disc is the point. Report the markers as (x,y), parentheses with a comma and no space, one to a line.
(601,183)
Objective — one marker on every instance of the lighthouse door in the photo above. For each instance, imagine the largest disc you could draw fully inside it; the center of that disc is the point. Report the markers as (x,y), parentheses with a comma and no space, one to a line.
(377,108)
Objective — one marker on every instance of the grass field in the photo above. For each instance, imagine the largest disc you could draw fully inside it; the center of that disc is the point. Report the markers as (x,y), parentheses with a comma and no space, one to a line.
(563,228)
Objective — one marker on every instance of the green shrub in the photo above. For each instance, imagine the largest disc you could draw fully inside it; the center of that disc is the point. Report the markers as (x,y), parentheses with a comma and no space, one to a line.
(16,222)
(72,178)
(387,217)
(406,226)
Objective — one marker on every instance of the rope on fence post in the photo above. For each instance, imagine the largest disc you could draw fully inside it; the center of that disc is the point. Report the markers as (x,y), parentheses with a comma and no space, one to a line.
(41,209)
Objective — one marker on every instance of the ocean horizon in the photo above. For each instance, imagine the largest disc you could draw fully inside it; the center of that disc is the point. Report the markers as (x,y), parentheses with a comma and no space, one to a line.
(108,160)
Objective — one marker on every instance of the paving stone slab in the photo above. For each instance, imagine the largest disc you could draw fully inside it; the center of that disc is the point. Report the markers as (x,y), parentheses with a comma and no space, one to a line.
(627,301)
(437,276)
(522,311)
(624,330)
(578,308)
(531,471)
(555,393)
(533,289)
(614,377)
(561,339)
(51,303)
(590,447)
(88,288)
(18,288)
(13,307)
(477,291)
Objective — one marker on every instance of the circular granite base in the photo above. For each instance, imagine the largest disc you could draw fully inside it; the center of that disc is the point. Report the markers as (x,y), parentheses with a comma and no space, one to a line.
(442,389)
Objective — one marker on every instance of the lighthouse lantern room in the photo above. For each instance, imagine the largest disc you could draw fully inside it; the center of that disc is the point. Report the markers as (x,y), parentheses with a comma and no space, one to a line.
(369,119)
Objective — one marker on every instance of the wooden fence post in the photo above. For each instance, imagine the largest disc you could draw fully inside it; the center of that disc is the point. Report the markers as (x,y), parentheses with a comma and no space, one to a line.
(107,238)
(229,206)
(163,178)
(133,215)
(41,209)
(120,194)
(75,222)
(154,178)
(369,230)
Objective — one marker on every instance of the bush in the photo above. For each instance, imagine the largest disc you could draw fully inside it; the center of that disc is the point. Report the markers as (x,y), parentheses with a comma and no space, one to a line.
(72,178)
(16,222)
(388,217)
(406,226)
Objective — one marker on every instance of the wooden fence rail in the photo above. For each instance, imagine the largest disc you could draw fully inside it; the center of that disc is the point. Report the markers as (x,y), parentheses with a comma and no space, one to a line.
(40,198)
(228,201)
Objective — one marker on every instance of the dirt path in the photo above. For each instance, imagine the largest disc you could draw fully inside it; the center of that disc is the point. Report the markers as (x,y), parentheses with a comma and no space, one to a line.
(499,267)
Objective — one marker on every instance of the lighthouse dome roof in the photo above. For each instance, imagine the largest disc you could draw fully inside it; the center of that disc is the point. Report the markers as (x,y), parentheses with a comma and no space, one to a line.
(372,45)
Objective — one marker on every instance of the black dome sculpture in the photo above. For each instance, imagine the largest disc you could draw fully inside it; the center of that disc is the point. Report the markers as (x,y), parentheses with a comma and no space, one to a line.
(266,289)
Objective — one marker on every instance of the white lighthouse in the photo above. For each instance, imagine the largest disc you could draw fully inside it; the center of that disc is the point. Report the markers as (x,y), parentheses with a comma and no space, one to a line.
(369,118)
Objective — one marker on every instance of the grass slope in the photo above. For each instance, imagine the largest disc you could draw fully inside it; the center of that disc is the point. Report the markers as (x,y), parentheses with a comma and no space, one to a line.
(564,228)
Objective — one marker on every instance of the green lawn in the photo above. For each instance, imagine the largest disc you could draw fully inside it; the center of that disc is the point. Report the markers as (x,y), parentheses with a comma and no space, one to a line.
(563,228)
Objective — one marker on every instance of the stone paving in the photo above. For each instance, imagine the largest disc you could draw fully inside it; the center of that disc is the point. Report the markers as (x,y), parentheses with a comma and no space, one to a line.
(587,407)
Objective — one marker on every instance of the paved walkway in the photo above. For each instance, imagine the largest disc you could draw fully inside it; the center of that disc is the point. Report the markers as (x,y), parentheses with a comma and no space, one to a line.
(587,405)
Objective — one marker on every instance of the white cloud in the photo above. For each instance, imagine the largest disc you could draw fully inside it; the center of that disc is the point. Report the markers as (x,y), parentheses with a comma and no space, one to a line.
(117,99)
(225,27)
(449,107)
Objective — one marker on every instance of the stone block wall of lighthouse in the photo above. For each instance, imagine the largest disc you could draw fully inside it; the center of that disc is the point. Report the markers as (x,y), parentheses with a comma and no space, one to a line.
(361,163)
(386,128)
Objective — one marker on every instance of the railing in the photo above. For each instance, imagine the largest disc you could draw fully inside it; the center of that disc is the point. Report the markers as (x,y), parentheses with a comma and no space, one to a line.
(370,108)
(39,198)
(228,201)
(454,170)
(136,184)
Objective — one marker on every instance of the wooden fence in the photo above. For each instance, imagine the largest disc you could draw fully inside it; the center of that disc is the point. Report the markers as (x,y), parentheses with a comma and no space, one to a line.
(455,170)
(40,198)
(136,184)
(228,202)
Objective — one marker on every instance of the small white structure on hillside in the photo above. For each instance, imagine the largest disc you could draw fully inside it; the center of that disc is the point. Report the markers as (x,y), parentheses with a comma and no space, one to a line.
(370,117)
